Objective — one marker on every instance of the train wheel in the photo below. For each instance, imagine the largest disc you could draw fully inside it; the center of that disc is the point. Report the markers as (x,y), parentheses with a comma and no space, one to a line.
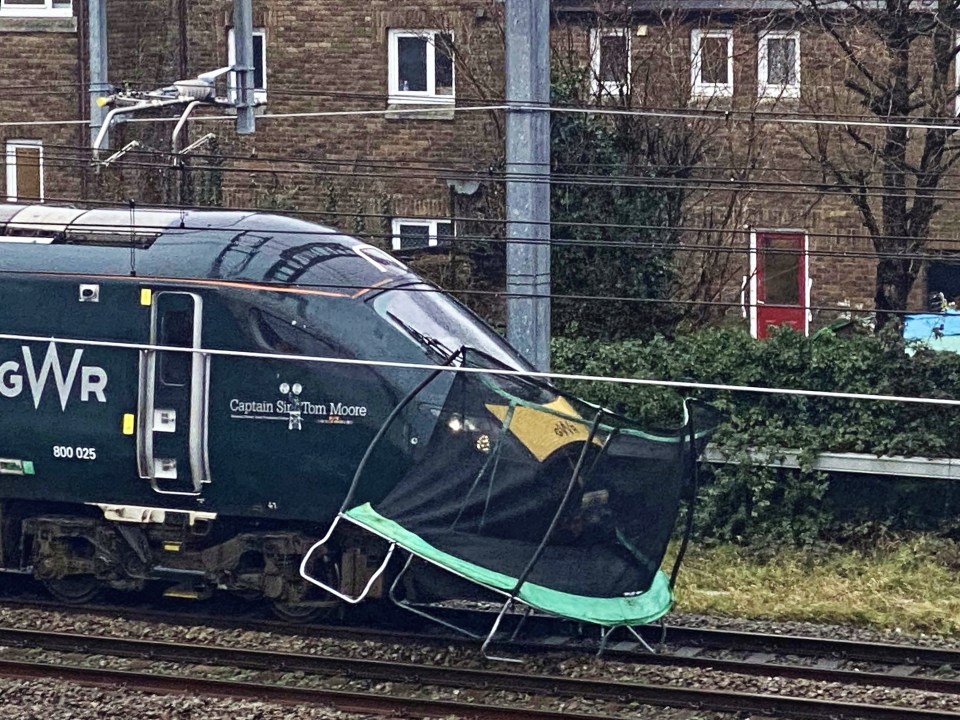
(74,589)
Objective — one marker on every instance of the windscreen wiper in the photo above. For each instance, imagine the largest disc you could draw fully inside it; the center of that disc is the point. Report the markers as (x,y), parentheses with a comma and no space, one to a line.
(431,343)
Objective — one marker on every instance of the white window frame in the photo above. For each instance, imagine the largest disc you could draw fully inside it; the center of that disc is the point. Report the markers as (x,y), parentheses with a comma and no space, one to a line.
(614,87)
(41,8)
(702,89)
(767,90)
(431,225)
(398,96)
(233,92)
(11,162)
(956,75)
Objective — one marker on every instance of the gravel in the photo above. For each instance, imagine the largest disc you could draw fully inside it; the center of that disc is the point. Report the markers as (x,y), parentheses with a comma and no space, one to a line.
(809,629)
(34,699)
(28,697)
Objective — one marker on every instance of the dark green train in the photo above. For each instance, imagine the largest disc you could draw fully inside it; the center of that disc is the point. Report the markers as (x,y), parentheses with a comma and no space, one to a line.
(186,397)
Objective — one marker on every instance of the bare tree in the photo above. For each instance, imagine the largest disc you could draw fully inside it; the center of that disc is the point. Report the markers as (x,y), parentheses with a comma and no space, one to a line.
(893,63)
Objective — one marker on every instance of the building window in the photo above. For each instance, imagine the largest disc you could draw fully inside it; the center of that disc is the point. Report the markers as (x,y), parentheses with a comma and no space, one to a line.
(24,170)
(36,8)
(420,66)
(778,65)
(943,283)
(610,61)
(415,234)
(711,63)
(259,65)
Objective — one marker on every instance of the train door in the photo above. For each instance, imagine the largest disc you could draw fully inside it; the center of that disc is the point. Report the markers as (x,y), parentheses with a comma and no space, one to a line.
(172,413)
(780,282)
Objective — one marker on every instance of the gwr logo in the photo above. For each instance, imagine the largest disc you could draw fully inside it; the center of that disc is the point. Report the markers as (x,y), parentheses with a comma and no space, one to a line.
(93,380)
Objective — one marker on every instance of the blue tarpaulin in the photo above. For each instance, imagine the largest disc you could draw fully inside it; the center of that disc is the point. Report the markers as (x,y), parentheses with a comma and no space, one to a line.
(938,331)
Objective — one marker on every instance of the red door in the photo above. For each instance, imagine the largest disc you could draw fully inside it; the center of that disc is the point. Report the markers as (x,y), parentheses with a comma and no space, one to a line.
(781,282)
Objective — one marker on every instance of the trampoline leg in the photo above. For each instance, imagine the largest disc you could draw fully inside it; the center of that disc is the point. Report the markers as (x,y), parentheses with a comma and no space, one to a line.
(404,605)
(604,636)
(329,588)
(641,640)
(519,627)
(493,631)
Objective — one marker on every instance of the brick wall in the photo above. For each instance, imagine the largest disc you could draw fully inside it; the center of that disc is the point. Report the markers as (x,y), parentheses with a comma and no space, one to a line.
(329,56)
(358,172)
(770,165)
(40,74)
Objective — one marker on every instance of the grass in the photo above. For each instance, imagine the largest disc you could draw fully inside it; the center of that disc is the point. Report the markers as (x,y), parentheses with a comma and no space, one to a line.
(907,584)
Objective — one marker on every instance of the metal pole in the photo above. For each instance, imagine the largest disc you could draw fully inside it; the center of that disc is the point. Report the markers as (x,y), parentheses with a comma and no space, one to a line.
(528,179)
(243,39)
(97,52)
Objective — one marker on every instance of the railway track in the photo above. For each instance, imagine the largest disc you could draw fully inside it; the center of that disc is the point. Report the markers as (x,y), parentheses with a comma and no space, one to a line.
(348,702)
(794,657)
(610,697)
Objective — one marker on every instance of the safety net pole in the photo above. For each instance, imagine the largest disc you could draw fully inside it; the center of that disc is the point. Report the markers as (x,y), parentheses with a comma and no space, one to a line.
(546,537)
(692,497)
(386,424)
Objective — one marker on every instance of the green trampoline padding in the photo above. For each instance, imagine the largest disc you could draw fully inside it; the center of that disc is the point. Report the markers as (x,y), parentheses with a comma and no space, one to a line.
(634,610)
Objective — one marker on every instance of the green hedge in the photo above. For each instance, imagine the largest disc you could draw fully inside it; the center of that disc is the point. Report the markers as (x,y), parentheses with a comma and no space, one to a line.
(758,504)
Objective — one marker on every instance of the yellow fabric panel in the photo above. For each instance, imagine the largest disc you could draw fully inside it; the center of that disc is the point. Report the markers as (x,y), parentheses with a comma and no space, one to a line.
(542,433)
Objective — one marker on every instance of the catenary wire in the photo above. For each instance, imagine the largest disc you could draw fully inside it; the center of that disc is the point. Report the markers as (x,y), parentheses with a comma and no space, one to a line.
(704,185)
(446,107)
(684,385)
(746,232)
(846,310)
(670,246)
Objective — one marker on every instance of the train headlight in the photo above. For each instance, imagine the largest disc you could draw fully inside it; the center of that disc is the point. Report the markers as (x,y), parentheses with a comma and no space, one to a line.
(483,443)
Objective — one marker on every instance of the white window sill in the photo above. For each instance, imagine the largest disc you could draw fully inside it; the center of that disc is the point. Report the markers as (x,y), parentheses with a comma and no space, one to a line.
(420,111)
(422,100)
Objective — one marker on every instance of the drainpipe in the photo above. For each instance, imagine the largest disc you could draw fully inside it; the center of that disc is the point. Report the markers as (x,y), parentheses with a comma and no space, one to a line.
(97,56)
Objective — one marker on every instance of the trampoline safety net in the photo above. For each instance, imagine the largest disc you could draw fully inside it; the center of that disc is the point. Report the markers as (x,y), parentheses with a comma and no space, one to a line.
(544,498)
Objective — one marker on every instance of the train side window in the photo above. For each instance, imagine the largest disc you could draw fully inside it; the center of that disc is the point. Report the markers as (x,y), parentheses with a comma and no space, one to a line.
(176,330)
(287,338)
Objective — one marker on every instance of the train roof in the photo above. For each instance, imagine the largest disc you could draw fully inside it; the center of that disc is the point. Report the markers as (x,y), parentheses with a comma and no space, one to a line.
(243,246)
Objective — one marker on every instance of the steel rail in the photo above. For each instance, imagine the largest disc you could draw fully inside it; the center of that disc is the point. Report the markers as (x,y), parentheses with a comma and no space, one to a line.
(400,672)
(739,640)
(811,646)
(350,702)
(683,649)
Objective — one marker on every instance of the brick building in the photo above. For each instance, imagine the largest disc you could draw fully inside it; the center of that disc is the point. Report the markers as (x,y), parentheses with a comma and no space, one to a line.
(411,170)
(43,78)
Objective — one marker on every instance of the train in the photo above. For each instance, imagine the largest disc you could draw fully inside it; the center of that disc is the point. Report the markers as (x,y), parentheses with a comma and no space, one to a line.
(192,399)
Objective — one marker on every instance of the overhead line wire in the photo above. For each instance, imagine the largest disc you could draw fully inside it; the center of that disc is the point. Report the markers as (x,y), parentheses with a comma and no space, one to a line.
(429,108)
(746,231)
(673,246)
(694,184)
(686,385)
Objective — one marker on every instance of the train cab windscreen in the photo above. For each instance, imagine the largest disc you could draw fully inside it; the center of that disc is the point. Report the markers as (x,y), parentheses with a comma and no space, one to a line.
(441,326)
